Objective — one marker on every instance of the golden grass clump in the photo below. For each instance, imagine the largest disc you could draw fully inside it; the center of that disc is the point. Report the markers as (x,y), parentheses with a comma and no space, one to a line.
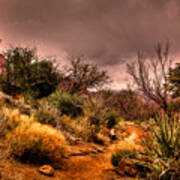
(77,126)
(15,118)
(37,143)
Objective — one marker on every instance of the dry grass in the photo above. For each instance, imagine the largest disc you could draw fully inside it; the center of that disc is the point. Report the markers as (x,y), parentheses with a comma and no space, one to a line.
(31,141)
(37,143)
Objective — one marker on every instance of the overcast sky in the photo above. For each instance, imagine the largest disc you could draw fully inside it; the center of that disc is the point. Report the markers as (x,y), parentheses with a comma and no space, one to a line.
(109,32)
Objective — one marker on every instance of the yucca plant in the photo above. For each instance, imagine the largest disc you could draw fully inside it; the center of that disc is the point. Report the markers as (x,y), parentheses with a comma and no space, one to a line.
(166,135)
(161,157)
(165,149)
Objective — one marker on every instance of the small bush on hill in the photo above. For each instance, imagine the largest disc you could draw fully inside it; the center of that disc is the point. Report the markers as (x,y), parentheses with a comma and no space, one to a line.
(47,114)
(67,104)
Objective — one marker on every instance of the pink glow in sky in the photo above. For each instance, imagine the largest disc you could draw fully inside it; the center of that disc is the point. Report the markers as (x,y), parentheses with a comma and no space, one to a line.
(109,32)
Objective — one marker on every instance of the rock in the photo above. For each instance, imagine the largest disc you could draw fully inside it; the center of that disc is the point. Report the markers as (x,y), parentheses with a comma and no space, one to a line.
(46,170)
(112,134)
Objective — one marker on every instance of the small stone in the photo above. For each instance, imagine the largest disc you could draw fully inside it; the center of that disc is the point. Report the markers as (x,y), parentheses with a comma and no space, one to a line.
(112,134)
(46,170)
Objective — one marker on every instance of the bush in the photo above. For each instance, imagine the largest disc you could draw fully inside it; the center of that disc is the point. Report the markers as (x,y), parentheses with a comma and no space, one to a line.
(67,104)
(26,74)
(167,135)
(37,143)
(47,114)
(93,125)
(45,118)
(112,119)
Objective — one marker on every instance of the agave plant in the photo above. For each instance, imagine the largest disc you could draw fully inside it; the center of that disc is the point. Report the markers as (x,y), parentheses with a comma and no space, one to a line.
(165,149)
(167,136)
(161,157)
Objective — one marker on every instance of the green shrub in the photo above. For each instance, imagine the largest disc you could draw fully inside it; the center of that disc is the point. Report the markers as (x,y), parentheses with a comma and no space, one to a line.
(26,74)
(112,119)
(46,114)
(67,104)
(45,118)
(167,135)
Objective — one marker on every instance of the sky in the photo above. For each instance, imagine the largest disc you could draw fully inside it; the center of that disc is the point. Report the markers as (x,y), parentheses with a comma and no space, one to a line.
(108,32)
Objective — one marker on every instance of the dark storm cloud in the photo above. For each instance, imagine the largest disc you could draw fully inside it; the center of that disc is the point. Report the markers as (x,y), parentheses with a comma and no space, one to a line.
(108,31)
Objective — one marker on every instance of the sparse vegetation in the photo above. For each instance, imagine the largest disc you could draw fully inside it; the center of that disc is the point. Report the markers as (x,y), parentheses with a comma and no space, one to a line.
(57,112)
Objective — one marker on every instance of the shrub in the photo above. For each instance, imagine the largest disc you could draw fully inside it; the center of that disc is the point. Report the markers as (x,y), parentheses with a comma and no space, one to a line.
(112,119)
(37,143)
(45,118)
(15,118)
(92,124)
(167,135)
(68,104)
(26,74)
(97,118)
(47,114)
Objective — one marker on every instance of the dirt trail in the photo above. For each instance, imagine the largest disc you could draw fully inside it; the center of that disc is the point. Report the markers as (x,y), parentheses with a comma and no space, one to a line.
(86,161)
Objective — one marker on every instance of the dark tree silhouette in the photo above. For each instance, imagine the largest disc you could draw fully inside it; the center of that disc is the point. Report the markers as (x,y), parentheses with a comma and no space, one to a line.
(150,74)
(82,76)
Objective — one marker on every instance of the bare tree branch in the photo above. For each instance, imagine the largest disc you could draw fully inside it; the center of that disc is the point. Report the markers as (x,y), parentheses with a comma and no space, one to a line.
(150,74)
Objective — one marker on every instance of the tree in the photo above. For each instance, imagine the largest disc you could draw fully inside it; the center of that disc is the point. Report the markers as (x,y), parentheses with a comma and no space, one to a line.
(26,74)
(43,79)
(174,80)
(82,76)
(150,74)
